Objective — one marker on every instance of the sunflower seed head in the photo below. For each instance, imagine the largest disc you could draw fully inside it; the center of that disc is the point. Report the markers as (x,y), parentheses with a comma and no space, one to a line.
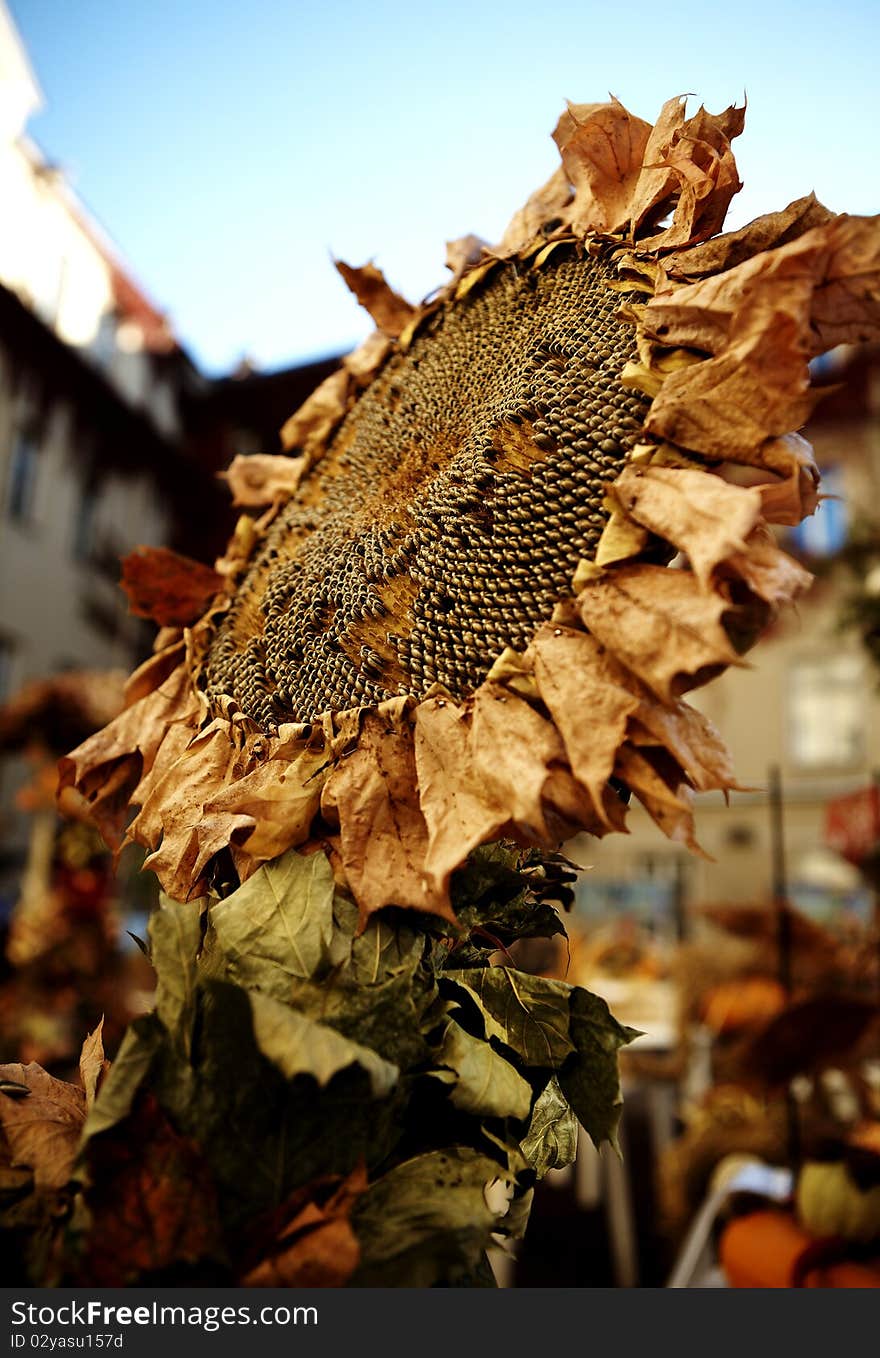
(449,513)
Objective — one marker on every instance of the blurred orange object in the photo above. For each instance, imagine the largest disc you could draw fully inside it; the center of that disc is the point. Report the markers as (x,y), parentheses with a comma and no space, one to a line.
(744,1003)
(769,1249)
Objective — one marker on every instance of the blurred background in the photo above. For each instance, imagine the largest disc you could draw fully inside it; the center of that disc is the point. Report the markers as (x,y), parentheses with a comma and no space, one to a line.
(175,181)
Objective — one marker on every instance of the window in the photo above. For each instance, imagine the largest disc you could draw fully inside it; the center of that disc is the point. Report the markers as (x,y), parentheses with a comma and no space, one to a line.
(24,466)
(7,652)
(826,718)
(85,521)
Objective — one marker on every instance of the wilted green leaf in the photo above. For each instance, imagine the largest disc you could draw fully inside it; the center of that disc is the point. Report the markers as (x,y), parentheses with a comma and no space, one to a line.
(528,1013)
(384,949)
(426,1220)
(551,1141)
(590,1080)
(278,925)
(262,1134)
(386,1017)
(297,1045)
(175,935)
(482,1081)
(126,1074)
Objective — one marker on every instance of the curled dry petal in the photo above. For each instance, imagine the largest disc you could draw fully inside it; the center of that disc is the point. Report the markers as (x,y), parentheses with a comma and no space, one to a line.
(171,589)
(391,312)
(309,427)
(261,478)
(384,836)
(602,148)
(698,513)
(660,625)
(590,698)
(669,804)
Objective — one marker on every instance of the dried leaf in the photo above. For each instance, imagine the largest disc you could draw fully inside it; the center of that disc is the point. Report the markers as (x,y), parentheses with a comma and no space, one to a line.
(106,768)
(699,157)
(795,494)
(602,148)
(590,1080)
(541,214)
(43,1129)
(267,811)
(426,1220)
(482,1082)
(278,925)
(298,1045)
(527,1013)
(175,937)
(183,778)
(770,573)
(383,831)
(513,748)
(660,625)
(551,1141)
(458,811)
(670,807)
(845,305)
(463,254)
(391,312)
(761,321)
(690,738)
(703,516)
(578,679)
(151,1200)
(317,1247)
(126,1075)
(170,589)
(764,233)
(92,1065)
(263,479)
(310,427)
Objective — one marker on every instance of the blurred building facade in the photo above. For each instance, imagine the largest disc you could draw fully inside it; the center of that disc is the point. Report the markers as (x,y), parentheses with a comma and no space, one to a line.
(807,705)
(109,434)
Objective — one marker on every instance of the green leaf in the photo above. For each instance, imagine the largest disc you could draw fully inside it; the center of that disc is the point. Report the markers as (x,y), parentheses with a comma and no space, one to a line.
(482,1081)
(175,936)
(528,1013)
(590,1079)
(384,949)
(127,1072)
(297,1045)
(426,1221)
(262,1134)
(551,1141)
(278,925)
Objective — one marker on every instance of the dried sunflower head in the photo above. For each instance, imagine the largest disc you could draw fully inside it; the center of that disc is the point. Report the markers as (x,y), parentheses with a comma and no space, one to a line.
(507,538)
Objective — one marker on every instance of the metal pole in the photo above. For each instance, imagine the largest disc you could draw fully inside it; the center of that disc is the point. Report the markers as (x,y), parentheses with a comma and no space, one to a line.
(783,940)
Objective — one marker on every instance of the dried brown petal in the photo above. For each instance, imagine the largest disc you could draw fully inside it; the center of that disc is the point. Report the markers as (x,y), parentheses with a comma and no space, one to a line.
(602,148)
(43,1128)
(590,698)
(698,513)
(171,589)
(383,832)
(261,478)
(391,312)
(660,625)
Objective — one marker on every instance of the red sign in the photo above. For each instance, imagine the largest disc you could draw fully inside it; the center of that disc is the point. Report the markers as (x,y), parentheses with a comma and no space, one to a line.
(852,824)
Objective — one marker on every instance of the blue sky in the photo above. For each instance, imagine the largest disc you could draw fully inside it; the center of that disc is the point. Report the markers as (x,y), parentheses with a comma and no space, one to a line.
(231,149)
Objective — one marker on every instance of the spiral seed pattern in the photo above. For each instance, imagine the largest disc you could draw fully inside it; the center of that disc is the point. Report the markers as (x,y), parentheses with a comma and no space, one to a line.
(448,515)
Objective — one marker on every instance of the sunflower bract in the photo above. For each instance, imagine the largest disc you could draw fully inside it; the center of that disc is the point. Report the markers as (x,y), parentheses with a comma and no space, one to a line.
(451,509)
